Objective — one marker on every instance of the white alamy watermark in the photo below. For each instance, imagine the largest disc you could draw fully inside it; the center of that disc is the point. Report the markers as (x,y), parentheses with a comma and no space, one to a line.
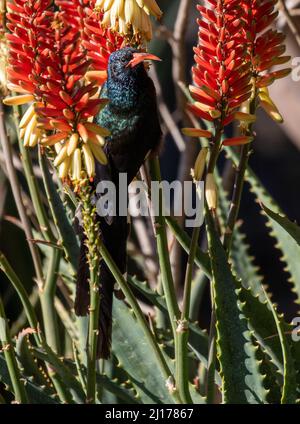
(188,202)
(296,330)
(295,69)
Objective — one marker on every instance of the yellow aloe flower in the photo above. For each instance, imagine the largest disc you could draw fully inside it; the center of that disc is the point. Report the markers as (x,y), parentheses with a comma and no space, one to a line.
(199,167)
(129,17)
(77,153)
(211,192)
(268,105)
(30,133)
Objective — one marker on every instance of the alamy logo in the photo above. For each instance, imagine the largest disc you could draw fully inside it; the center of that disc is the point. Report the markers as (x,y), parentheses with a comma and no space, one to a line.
(296,330)
(296,69)
(112,202)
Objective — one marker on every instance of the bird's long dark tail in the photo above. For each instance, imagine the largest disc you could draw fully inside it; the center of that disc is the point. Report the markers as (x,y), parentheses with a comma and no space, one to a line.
(114,237)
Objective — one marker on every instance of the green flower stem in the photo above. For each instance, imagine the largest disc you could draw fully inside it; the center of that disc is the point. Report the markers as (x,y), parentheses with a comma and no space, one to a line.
(182,369)
(18,199)
(93,334)
(47,292)
(239,181)
(67,237)
(211,363)
(47,296)
(197,291)
(161,318)
(10,358)
(180,332)
(163,251)
(232,217)
(215,148)
(27,228)
(32,319)
(23,296)
(185,314)
(140,318)
(201,258)
(92,241)
(182,375)
(22,319)
(182,361)
(236,196)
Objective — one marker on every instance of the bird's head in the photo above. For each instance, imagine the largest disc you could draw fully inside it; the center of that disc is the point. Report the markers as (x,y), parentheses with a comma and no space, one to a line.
(127,62)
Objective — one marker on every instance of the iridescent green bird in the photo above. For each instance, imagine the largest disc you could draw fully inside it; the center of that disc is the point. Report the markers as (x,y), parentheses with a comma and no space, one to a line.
(131,116)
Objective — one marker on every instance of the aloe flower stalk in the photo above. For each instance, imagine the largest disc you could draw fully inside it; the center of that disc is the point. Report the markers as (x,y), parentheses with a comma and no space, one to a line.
(48,67)
(222,78)
(265,49)
(235,54)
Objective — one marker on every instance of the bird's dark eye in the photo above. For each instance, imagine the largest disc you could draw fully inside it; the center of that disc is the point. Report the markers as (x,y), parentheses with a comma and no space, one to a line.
(124,60)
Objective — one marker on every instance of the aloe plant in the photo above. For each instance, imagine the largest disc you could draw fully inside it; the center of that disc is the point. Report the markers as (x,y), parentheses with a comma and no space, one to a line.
(249,354)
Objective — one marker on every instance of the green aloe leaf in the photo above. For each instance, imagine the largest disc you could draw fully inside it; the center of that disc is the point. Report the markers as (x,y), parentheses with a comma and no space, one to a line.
(241,378)
(242,262)
(198,340)
(289,226)
(261,320)
(131,349)
(28,363)
(36,394)
(289,391)
(133,353)
(272,380)
(260,315)
(285,242)
(70,381)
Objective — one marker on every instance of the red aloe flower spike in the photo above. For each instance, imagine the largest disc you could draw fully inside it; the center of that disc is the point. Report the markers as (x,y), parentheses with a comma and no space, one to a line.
(96,41)
(99,41)
(48,64)
(73,103)
(234,45)
(220,61)
(28,22)
(265,46)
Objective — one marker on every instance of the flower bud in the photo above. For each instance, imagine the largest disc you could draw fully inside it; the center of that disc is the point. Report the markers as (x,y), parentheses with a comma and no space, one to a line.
(238,141)
(72,145)
(268,105)
(76,165)
(199,166)
(211,192)
(18,100)
(196,132)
